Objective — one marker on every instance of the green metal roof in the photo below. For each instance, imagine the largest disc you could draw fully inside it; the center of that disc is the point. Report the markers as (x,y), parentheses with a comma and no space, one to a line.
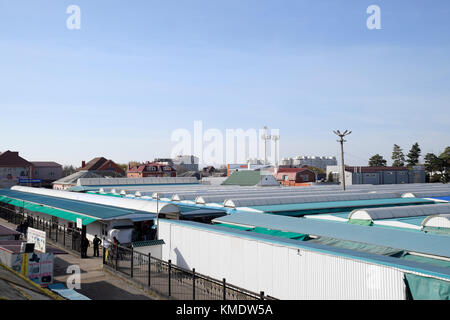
(66,208)
(70,216)
(276,233)
(244,178)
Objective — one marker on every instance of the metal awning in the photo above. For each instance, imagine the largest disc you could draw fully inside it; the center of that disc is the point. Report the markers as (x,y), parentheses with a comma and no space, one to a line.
(135,217)
(67,215)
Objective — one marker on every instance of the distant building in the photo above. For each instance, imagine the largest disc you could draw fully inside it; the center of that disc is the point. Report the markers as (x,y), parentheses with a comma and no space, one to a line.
(47,171)
(314,161)
(187,163)
(378,175)
(235,167)
(151,169)
(101,164)
(294,176)
(15,170)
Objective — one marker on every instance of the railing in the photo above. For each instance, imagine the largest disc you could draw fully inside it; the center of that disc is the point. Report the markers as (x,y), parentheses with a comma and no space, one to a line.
(66,237)
(168,280)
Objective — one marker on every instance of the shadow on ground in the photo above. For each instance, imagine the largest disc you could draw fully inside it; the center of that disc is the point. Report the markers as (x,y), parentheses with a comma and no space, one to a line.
(103,290)
(60,267)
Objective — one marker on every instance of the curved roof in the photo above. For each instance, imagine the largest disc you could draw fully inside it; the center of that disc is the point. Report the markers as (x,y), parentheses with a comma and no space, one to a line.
(427,194)
(261,201)
(140,205)
(437,221)
(399,212)
(394,238)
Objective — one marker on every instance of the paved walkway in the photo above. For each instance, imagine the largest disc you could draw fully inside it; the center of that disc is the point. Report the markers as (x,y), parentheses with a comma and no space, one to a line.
(95,283)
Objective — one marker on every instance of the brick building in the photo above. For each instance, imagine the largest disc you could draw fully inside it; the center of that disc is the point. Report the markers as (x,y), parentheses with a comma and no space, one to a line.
(294,176)
(101,164)
(151,169)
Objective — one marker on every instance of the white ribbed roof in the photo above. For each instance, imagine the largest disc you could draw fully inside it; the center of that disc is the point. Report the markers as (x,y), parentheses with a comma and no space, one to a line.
(265,200)
(400,212)
(427,194)
(140,205)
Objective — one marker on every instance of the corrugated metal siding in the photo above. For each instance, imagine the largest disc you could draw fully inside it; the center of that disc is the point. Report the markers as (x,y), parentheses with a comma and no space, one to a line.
(279,271)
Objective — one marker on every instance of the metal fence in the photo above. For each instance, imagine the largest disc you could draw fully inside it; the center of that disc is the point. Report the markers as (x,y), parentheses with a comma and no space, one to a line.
(166,279)
(66,237)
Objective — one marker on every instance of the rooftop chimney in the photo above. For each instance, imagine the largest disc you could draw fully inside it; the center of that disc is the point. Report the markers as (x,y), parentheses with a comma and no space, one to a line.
(83,164)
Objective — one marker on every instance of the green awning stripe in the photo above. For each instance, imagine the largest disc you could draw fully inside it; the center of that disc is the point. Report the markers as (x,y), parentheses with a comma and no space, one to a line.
(360,222)
(70,216)
(276,233)
(233,226)
(424,288)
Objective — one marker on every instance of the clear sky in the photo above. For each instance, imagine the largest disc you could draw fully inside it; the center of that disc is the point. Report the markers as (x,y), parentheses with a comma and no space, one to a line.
(138,70)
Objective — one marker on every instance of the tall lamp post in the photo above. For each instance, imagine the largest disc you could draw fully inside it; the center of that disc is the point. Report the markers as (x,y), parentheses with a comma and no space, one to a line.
(266,138)
(276,138)
(157,216)
(341,140)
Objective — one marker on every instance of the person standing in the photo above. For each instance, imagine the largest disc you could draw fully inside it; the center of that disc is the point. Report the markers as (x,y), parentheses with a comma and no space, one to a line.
(96,243)
(84,247)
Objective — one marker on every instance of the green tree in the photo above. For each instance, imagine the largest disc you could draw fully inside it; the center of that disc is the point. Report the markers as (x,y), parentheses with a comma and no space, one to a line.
(377,161)
(432,163)
(414,155)
(398,157)
(330,177)
(445,165)
(68,170)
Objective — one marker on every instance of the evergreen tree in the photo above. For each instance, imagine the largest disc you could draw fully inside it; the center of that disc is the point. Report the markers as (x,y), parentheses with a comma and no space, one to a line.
(413,155)
(377,161)
(398,157)
(444,158)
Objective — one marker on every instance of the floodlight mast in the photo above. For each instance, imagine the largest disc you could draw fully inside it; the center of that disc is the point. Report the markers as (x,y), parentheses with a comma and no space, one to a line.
(265,137)
(276,138)
(341,140)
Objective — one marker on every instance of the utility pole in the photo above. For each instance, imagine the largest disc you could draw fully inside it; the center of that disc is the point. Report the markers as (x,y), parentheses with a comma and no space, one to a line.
(157,216)
(265,137)
(341,140)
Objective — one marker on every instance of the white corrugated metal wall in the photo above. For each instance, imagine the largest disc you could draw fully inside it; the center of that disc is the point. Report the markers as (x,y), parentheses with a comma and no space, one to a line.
(280,271)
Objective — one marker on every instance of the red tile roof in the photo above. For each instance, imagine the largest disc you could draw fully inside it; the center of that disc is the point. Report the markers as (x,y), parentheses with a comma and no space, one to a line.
(12,159)
(45,164)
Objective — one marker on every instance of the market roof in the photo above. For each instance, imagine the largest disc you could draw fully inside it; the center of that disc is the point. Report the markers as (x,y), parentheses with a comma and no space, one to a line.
(308,245)
(396,238)
(303,208)
(64,208)
(296,199)
(400,212)
(427,194)
(134,217)
(119,202)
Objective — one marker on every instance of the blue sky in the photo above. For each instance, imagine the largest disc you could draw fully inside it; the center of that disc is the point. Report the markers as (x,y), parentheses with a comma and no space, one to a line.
(138,70)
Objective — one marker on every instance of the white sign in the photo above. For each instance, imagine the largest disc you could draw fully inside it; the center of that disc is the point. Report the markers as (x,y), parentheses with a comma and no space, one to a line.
(79,223)
(37,237)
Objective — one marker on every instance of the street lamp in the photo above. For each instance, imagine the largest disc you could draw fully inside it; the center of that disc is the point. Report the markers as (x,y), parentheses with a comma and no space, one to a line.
(341,140)
(266,138)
